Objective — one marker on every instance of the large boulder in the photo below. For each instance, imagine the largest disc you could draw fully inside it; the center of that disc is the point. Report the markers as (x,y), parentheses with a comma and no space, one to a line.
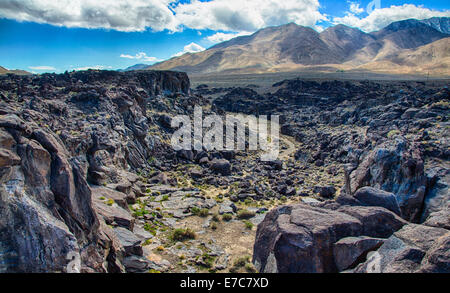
(413,249)
(375,197)
(301,238)
(221,166)
(436,210)
(395,167)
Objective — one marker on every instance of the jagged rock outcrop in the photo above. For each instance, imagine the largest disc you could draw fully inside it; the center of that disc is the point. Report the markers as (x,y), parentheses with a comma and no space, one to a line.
(397,168)
(58,135)
(436,209)
(46,203)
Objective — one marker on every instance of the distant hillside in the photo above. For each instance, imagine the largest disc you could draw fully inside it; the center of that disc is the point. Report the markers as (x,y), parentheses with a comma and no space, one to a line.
(134,67)
(432,58)
(3,70)
(292,47)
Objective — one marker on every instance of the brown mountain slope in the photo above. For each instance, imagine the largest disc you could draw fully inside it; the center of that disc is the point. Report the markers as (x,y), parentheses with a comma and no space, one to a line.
(433,58)
(293,47)
(3,70)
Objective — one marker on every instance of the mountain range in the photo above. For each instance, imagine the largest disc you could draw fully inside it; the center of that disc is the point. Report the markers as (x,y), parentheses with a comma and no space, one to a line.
(408,46)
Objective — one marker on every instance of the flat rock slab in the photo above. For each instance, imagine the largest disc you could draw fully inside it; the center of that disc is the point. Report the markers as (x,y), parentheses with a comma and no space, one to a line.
(348,251)
(113,215)
(130,242)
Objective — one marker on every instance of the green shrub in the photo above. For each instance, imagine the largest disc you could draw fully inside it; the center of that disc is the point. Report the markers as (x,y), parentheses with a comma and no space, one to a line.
(227,217)
(200,212)
(208,260)
(248,201)
(110,202)
(393,133)
(248,224)
(250,268)
(245,214)
(241,262)
(182,234)
(216,218)
(150,228)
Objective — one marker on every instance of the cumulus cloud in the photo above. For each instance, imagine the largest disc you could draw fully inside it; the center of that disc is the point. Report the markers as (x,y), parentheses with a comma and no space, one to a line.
(355,9)
(121,15)
(249,15)
(219,15)
(42,68)
(139,15)
(140,56)
(191,48)
(222,37)
(381,18)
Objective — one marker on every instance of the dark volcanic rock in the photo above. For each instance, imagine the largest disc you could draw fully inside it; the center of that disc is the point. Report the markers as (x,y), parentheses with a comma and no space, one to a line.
(349,250)
(374,197)
(325,191)
(221,166)
(413,249)
(300,238)
(60,132)
(397,168)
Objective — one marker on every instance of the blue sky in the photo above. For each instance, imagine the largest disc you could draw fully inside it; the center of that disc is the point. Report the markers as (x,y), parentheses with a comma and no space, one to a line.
(44,36)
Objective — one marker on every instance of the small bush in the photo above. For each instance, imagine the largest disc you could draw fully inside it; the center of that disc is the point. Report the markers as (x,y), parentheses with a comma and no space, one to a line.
(182,234)
(393,133)
(241,262)
(200,212)
(110,202)
(245,214)
(216,218)
(140,212)
(248,201)
(208,260)
(150,228)
(213,226)
(227,217)
(250,268)
(248,224)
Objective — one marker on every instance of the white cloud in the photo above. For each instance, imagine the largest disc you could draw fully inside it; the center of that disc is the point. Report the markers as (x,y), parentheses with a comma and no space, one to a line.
(222,37)
(217,15)
(249,15)
(97,67)
(42,68)
(139,15)
(140,56)
(355,9)
(191,48)
(381,18)
(121,15)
